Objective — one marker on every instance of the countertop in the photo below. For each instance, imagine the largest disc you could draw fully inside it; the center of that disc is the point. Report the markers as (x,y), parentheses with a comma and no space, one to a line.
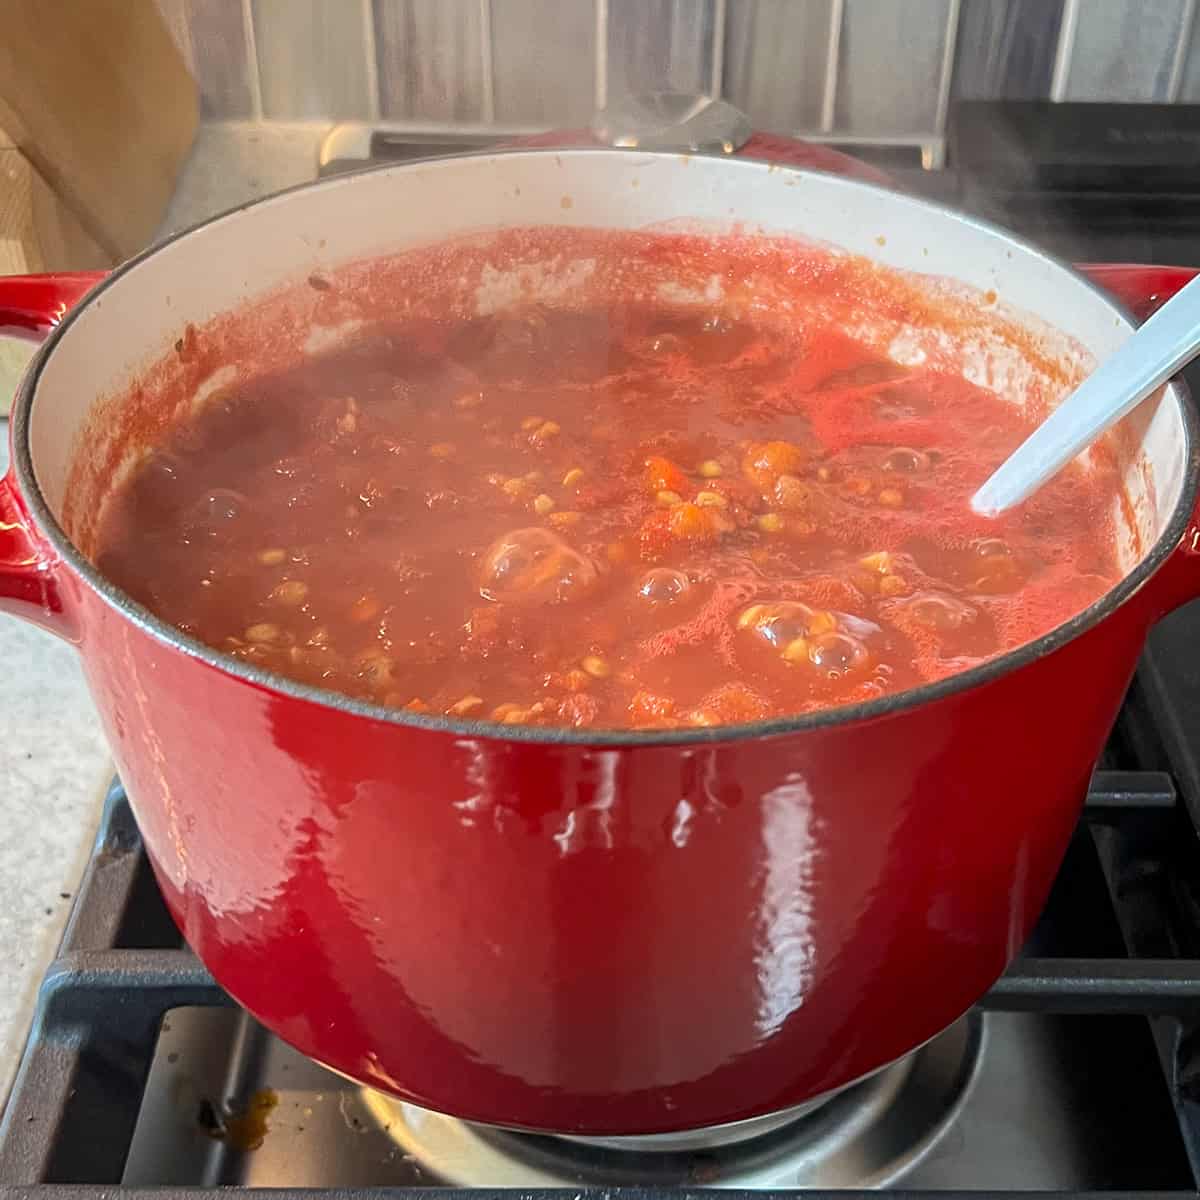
(54,766)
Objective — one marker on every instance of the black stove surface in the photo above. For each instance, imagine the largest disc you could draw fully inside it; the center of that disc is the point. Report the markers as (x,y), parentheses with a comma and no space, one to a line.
(1100,182)
(1079,1072)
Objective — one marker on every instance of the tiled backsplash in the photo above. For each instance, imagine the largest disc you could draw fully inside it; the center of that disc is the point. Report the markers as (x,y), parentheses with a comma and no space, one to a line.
(869,68)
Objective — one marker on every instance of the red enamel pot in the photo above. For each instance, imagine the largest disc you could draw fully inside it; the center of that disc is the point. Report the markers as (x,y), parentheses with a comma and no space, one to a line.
(606,934)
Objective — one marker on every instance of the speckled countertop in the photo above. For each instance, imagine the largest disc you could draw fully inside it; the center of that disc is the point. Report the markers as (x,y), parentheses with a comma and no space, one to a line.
(53,762)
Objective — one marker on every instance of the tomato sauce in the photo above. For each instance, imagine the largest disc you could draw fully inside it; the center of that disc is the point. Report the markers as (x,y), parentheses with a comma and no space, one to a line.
(631,515)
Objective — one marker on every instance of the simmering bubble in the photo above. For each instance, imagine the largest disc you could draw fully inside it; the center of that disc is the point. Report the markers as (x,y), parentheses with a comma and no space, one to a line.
(535,565)
(939,611)
(777,623)
(833,644)
(663,585)
(998,570)
(906,460)
(214,510)
(837,654)
(717,323)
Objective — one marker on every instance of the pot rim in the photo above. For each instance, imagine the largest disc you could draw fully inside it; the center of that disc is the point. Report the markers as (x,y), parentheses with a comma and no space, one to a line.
(884,706)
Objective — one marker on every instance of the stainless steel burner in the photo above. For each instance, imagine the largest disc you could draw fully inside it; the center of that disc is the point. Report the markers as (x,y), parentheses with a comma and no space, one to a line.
(710,1138)
(1034,1113)
(869,1135)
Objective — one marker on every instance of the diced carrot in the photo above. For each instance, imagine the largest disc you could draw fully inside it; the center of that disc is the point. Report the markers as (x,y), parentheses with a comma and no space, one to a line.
(792,494)
(662,475)
(692,523)
(764,462)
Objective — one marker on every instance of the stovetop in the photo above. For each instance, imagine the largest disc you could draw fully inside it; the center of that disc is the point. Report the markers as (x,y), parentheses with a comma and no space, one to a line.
(1078,1072)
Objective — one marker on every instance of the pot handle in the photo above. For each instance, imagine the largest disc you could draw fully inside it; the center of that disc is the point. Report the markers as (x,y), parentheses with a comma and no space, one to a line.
(1144,289)
(30,306)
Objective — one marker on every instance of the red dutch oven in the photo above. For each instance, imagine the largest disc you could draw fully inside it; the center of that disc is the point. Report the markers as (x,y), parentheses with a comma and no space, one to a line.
(597,933)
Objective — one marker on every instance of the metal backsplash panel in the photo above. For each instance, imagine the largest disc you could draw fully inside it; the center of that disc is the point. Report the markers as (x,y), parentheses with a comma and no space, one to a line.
(1006,49)
(863,68)
(215,42)
(1189,83)
(891,65)
(777,59)
(314,58)
(662,45)
(544,58)
(1122,50)
(432,63)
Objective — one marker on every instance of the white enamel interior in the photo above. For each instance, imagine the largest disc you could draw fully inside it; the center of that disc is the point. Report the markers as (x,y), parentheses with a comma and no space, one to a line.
(231,260)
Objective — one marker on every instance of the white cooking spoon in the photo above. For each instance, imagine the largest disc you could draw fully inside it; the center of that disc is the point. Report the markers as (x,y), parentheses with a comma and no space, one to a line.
(1170,339)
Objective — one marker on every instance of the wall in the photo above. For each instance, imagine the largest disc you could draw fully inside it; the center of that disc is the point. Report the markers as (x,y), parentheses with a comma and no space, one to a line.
(869,68)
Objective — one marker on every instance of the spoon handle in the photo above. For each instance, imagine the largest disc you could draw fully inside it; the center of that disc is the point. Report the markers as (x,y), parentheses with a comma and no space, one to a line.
(1167,341)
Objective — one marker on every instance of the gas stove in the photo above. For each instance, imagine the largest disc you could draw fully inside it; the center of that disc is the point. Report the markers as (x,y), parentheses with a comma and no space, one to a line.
(1078,1072)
